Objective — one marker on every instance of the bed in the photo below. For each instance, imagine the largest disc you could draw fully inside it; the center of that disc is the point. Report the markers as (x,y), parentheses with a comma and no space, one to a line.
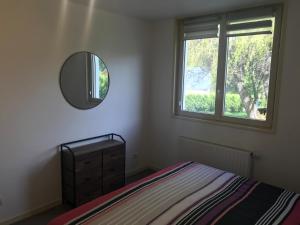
(190,193)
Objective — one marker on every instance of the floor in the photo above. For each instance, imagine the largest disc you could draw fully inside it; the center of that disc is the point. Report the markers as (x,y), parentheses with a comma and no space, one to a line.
(44,218)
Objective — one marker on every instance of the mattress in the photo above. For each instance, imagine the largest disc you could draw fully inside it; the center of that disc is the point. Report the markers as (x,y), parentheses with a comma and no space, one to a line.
(190,193)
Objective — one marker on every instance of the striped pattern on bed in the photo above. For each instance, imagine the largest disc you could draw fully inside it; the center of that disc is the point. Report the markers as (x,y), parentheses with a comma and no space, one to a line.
(190,193)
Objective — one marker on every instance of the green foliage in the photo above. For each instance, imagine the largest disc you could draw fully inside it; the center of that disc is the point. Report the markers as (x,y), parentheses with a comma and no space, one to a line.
(248,69)
(206,103)
(242,115)
(262,103)
(233,103)
(249,60)
(103,84)
(200,103)
(248,72)
(203,53)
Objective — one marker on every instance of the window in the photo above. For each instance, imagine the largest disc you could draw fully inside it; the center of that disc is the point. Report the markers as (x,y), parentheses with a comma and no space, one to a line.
(227,66)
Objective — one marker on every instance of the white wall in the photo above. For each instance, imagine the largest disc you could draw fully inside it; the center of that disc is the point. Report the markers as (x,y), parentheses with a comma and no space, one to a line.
(36,36)
(278,153)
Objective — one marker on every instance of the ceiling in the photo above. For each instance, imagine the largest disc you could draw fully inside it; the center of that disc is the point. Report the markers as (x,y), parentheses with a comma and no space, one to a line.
(164,9)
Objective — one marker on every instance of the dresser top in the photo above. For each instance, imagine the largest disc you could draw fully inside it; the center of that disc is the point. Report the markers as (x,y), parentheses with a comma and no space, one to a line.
(93,147)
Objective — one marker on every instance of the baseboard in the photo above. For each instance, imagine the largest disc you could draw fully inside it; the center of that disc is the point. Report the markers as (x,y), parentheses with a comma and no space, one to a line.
(31,213)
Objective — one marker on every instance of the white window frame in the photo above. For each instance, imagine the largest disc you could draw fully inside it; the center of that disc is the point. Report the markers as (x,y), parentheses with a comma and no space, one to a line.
(277,11)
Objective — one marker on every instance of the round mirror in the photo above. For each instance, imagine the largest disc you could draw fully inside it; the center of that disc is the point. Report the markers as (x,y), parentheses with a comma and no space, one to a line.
(84,80)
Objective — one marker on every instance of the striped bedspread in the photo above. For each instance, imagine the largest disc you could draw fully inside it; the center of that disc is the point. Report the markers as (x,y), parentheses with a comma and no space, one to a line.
(190,193)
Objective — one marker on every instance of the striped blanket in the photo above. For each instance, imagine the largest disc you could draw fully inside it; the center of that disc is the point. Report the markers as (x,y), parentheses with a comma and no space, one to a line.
(190,193)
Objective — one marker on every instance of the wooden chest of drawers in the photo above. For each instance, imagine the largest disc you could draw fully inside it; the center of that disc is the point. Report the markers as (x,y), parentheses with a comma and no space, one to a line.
(92,170)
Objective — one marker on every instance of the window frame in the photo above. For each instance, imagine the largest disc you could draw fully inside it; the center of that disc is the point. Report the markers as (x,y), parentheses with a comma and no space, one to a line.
(219,116)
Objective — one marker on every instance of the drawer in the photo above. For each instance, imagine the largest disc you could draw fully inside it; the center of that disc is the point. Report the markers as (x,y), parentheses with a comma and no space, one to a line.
(114,169)
(86,197)
(83,177)
(81,197)
(91,186)
(113,154)
(88,176)
(96,167)
(90,161)
(113,183)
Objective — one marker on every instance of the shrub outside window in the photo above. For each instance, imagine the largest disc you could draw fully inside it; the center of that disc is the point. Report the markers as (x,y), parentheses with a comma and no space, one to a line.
(227,66)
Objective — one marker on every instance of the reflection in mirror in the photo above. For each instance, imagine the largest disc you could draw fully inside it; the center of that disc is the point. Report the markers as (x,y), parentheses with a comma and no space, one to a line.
(84,80)
(97,78)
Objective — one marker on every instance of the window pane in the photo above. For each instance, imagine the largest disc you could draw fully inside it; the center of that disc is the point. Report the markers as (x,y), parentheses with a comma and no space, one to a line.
(200,74)
(248,76)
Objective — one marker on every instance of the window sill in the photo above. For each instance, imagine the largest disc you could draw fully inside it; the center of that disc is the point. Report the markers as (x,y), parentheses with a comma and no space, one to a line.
(269,130)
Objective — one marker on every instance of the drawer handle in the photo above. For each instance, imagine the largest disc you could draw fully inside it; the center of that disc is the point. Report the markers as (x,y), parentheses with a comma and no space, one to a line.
(87,162)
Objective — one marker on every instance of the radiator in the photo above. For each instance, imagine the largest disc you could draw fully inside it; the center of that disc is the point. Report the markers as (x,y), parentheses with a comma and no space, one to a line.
(223,157)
